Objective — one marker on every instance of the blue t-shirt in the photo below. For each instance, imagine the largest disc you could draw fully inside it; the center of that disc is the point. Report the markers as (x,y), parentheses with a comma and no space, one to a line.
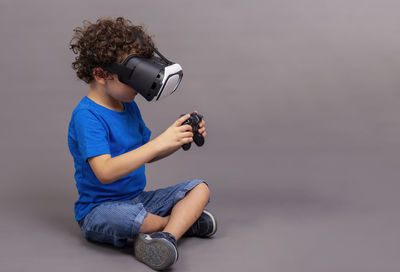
(95,130)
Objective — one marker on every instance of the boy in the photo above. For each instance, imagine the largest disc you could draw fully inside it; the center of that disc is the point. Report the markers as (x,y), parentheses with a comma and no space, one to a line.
(110,144)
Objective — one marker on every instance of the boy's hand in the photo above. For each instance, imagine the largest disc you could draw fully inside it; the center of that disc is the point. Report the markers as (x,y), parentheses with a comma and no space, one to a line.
(175,136)
(202,129)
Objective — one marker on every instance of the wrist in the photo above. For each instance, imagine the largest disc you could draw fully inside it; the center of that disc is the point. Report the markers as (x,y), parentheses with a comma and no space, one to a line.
(156,146)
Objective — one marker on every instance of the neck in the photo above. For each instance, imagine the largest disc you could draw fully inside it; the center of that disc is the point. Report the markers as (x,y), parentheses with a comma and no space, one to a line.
(98,94)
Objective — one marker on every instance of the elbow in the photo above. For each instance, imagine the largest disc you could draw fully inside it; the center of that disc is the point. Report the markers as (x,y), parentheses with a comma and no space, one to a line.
(103,175)
(105,178)
(100,168)
(104,181)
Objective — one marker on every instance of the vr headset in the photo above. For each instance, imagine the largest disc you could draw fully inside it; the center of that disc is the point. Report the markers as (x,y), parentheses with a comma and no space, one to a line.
(153,77)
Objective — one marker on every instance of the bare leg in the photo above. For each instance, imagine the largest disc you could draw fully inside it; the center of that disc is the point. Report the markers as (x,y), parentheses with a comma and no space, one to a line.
(153,223)
(187,210)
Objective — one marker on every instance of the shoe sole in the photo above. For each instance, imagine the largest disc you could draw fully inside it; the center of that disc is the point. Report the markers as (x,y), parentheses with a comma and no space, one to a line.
(214,223)
(158,253)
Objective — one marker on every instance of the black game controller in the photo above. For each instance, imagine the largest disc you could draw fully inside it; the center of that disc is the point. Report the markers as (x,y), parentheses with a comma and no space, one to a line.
(194,121)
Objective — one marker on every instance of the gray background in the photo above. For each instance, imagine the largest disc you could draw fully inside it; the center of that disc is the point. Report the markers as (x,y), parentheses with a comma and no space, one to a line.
(301,100)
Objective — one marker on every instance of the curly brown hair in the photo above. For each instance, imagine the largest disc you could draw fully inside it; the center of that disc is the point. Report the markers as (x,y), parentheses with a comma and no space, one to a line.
(104,42)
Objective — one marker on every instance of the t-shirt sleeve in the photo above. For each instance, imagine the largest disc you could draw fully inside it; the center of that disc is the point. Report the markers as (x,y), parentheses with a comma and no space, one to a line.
(146,132)
(92,137)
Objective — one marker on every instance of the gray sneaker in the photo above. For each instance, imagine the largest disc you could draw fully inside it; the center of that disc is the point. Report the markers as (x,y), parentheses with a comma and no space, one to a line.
(158,249)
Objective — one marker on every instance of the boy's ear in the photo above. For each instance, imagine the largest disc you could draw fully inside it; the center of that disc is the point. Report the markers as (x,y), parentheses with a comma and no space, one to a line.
(99,75)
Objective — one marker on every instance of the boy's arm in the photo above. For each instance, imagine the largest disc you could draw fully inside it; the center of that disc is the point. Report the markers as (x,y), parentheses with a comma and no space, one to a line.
(164,154)
(108,170)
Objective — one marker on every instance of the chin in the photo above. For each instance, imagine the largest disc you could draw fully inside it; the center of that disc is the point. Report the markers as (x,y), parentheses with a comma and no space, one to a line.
(133,96)
(131,99)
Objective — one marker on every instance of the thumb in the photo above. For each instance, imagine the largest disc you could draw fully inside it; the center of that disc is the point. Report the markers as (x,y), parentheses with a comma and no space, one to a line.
(182,119)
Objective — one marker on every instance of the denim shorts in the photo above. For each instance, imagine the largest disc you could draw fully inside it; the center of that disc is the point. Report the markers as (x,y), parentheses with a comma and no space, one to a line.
(114,222)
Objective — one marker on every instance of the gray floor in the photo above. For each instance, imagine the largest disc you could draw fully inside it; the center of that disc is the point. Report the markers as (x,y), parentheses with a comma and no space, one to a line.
(314,210)
(301,100)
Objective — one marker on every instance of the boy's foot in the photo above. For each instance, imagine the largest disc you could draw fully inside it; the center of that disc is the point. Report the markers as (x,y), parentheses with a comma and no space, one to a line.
(158,249)
(205,226)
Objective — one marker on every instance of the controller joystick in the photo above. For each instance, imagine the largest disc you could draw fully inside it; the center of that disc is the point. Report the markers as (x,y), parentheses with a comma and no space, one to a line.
(194,121)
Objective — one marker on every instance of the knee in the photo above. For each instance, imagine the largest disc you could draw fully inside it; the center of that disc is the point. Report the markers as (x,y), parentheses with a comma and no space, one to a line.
(204,189)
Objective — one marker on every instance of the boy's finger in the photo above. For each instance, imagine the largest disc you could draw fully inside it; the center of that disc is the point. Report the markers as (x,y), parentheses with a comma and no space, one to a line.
(187,134)
(179,122)
(185,128)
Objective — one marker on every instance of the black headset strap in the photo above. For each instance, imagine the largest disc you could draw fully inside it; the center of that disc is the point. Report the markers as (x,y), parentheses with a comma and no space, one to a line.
(118,69)
(155,50)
